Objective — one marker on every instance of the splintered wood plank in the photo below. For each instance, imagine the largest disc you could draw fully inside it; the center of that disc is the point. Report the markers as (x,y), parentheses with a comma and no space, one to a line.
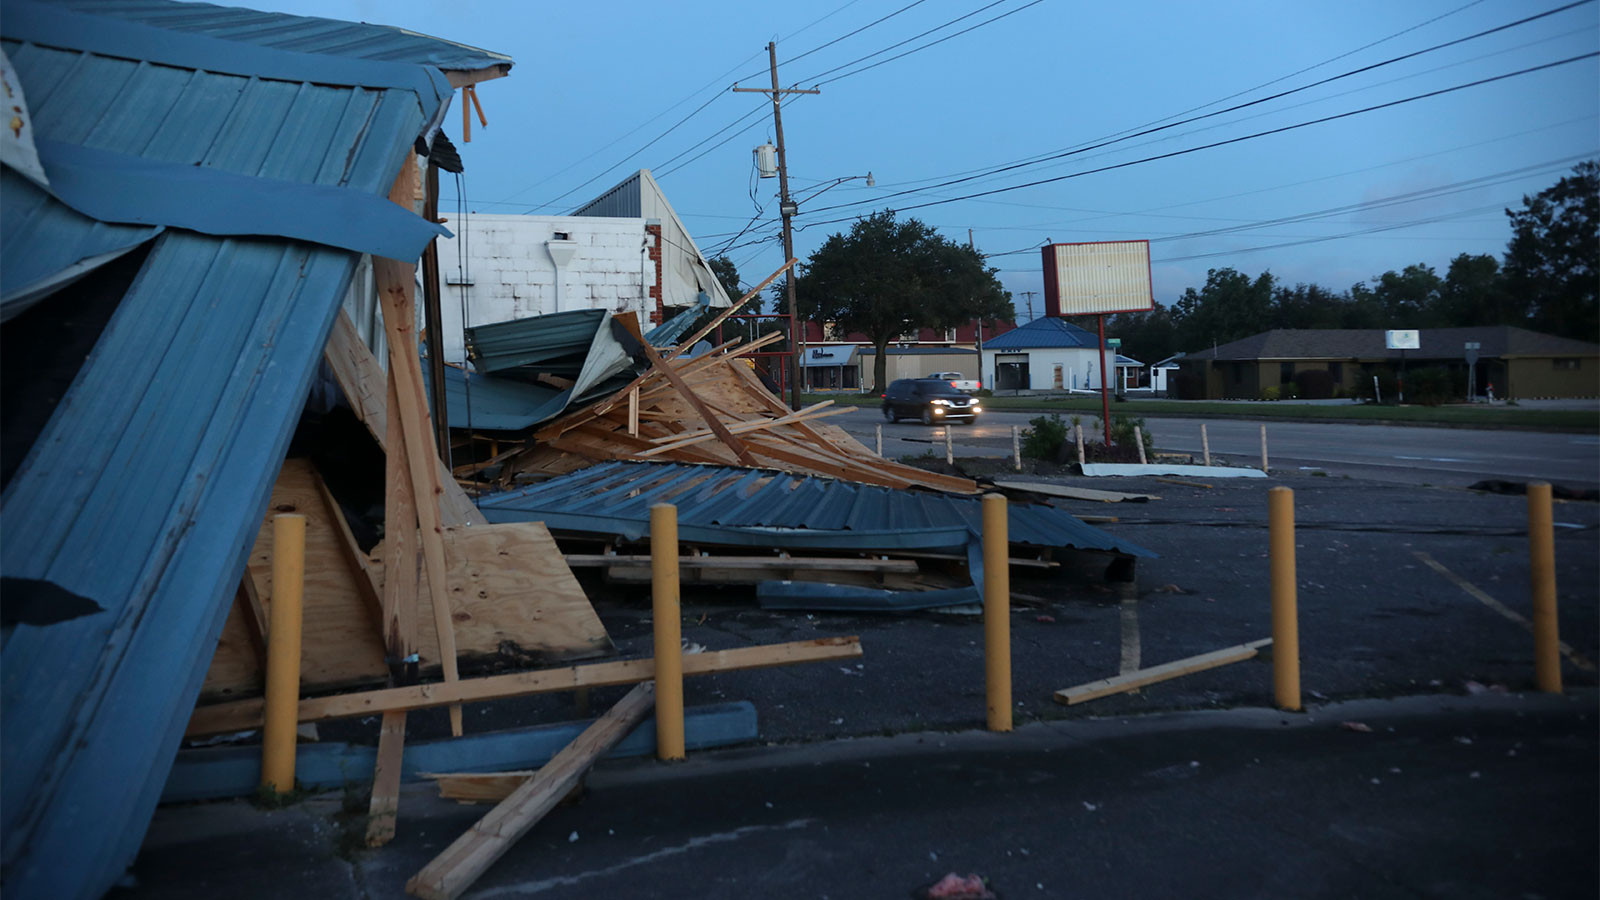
(396,289)
(513,599)
(464,861)
(710,418)
(1167,671)
(384,809)
(340,648)
(478,787)
(365,387)
(245,714)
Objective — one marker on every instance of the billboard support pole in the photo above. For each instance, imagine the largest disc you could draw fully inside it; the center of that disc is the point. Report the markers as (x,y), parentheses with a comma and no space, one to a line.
(1105,398)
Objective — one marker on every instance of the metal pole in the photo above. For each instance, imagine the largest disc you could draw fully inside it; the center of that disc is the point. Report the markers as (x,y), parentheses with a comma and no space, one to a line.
(996,612)
(433,319)
(668,630)
(1105,398)
(785,204)
(281,709)
(1285,623)
(1542,566)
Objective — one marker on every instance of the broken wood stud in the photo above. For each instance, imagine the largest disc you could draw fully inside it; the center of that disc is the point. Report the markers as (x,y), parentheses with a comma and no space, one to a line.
(1264,448)
(668,631)
(1205,443)
(1016,446)
(283,653)
(1138,441)
(455,869)
(1134,680)
(996,612)
(949,446)
(1542,569)
(1285,623)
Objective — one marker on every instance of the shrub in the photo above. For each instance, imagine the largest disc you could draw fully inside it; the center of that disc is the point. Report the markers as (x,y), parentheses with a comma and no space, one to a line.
(1430,386)
(1044,437)
(1314,384)
(1271,393)
(1122,434)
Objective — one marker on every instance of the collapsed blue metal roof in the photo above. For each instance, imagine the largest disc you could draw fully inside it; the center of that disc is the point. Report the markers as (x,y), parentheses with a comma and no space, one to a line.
(765,508)
(145,489)
(1044,332)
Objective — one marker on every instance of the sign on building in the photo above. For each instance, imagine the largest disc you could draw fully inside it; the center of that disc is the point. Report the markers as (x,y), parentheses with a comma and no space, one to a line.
(1407,339)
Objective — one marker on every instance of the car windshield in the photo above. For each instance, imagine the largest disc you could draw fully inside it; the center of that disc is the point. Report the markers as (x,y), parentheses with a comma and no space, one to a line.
(939,389)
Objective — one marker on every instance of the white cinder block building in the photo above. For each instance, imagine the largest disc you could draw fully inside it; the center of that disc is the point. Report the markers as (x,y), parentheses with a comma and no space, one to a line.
(626,251)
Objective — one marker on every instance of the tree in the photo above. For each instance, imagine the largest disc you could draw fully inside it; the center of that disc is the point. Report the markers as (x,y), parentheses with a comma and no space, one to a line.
(1408,297)
(886,278)
(1474,294)
(728,274)
(1553,260)
(1148,336)
(1230,306)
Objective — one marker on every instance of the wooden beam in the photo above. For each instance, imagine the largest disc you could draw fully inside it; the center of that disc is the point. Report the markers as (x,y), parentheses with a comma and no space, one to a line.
(363,383)
(383,811)
(396,289)
(248,601)
(460,78)
(723,435)
(1137,679)
(733,307)
(366,583)
(668,444)
(823,563)
(242,715)
(464,861)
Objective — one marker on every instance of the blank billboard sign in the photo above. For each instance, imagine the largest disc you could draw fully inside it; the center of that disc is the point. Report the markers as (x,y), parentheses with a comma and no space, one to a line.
(1099,277)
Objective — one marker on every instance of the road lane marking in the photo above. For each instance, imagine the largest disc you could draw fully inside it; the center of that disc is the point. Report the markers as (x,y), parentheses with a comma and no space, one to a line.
(1130,635)
(1578,659)
(1434,458)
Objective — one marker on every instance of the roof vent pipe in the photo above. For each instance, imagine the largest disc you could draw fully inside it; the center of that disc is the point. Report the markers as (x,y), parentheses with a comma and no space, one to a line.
(562,248)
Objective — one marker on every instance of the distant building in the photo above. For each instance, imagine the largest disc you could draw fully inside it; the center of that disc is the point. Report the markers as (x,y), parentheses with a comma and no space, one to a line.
(1044,355)
(1518,362)
(625,251)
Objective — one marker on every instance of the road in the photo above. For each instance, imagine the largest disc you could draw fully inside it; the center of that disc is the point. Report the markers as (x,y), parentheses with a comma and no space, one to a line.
(1395,453)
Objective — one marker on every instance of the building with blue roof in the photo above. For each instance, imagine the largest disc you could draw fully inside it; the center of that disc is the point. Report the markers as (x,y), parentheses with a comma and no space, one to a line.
(1048,354)
(188,192)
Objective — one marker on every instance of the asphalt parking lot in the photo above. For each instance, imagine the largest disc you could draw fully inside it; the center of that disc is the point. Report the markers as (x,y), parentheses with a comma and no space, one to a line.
(874,776)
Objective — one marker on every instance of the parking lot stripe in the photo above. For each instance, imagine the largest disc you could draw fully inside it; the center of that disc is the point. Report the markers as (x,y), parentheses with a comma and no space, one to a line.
(1577,659)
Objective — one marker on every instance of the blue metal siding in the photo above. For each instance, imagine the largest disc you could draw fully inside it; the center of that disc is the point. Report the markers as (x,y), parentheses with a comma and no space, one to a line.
(775,509)
(145,490)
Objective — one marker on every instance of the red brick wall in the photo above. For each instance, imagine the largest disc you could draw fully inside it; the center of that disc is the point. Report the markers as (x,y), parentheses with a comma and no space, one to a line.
(659,314)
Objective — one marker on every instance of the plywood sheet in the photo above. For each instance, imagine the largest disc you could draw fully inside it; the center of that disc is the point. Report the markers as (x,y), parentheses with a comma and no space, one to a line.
(514,603)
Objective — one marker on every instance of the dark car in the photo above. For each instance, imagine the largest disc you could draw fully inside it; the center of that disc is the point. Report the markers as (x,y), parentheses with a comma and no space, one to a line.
(929,399)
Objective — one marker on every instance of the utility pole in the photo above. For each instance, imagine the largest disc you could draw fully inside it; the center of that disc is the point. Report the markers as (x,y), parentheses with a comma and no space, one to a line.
(786,207)
(1029,295)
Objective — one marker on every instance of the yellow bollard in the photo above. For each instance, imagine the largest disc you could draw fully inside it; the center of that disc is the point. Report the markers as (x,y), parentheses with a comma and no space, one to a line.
(1542,566)
(280,716)
(997,612)
(668,630)
(1285,624)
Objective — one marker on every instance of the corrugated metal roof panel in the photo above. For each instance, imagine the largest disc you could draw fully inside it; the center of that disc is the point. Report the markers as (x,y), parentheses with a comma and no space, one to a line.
(47,243)
(738,506)
(303,34)
(145,490)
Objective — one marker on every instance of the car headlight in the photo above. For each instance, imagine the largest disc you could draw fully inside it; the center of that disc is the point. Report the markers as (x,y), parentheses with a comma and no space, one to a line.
(941,403)
(937,411)
(976,408)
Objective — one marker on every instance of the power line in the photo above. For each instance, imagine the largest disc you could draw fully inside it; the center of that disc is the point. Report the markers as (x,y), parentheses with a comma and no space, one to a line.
(902,43)
(1234,108)
(947,37)
(1236,140)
